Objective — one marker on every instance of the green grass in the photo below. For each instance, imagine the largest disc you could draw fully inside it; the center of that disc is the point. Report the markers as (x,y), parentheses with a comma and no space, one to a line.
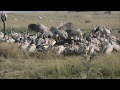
(17,64)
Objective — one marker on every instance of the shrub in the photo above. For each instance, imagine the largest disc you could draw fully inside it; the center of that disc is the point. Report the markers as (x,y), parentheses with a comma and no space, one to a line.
(9,50)
(88,21)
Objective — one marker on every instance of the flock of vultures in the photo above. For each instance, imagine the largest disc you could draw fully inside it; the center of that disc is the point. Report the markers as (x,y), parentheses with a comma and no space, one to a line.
(64,39)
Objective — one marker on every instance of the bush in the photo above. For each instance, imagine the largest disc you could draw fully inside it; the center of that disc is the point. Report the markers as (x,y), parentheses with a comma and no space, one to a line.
(88,21)
(9,50)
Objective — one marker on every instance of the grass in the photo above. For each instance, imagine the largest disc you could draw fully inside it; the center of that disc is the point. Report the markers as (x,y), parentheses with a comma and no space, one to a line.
(60,68)
(78,19)
(17,64)
(8,50)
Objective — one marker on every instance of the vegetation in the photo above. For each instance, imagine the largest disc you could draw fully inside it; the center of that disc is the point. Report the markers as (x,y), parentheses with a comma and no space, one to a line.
(18,64)
(78,19)
(72,67)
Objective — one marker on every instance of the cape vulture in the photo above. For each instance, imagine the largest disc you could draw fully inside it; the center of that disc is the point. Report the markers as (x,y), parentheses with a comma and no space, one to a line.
(38,27)
(61,33)
(66,26)
(48,34)
(75,32)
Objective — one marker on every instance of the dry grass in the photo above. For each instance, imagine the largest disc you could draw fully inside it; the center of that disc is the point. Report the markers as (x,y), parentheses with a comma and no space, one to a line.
(23,19)
(60,68)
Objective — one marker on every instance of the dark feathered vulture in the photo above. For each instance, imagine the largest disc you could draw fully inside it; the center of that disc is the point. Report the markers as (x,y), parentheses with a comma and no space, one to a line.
(119,31)
(34,27)
(3,17)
